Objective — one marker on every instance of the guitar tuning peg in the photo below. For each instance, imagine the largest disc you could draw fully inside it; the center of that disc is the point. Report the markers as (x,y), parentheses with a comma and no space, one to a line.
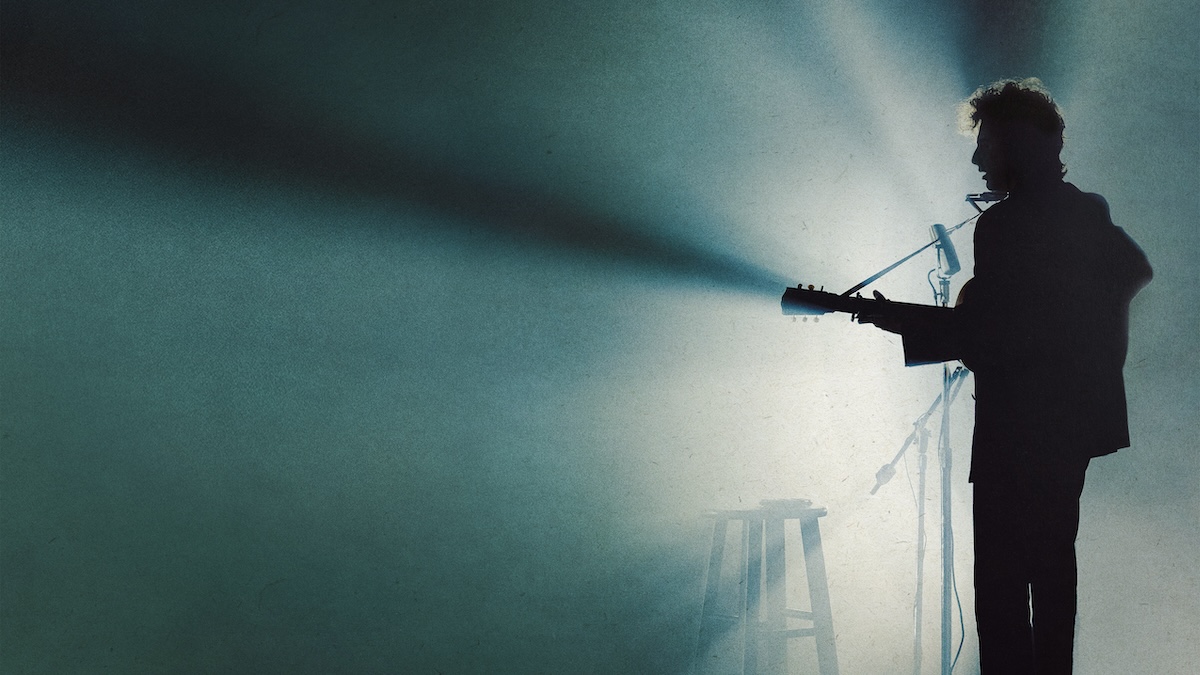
(810,287)
(816,319)
(804,319)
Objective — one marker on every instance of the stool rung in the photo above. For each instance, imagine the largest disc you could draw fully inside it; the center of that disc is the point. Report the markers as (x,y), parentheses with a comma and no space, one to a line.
(798,614)
(794,632)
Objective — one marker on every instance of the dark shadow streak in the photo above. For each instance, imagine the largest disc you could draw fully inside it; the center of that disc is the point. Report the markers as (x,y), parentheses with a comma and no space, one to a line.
(93,85)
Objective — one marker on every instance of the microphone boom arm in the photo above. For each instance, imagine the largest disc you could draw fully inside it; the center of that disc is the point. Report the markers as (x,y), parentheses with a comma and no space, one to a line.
(874,277)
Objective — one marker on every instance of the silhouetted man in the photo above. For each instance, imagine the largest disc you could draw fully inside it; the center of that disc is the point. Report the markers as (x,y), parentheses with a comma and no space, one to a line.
(1044,326)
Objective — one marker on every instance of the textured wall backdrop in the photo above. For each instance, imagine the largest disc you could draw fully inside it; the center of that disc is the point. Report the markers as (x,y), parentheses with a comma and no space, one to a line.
(373,337)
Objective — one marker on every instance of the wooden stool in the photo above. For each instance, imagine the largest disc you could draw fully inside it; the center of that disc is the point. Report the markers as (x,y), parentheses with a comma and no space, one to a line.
(762,614)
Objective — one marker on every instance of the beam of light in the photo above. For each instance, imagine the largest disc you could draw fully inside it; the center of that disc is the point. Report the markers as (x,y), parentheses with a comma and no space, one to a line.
(909,88)
(906,168)
(161,100)
(848,150)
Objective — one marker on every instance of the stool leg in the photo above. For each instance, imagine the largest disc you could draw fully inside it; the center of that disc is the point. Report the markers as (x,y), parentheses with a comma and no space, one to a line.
(709,629)
(754,565)
(774,642)
(818,591)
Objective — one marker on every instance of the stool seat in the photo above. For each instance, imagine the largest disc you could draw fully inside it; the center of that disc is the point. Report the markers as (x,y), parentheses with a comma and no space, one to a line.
(788,509)
(761,614)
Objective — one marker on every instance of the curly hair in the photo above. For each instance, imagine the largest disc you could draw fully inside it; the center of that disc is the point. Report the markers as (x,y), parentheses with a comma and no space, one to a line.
(1025,100)
(1006,101)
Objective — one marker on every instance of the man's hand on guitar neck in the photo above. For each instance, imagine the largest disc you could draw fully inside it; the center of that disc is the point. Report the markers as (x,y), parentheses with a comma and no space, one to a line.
(889,321)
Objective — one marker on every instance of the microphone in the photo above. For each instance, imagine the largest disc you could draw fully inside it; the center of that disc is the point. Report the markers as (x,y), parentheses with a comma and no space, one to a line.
(947,248)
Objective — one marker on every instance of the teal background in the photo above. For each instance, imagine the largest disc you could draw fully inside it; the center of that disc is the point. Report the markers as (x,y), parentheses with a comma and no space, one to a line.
(375,337)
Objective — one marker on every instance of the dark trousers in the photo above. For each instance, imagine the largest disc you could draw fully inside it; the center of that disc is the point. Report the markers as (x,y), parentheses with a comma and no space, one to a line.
(1026,520)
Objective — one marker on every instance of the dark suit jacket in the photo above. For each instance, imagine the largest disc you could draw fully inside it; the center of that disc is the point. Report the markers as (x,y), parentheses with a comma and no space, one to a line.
(1044,326)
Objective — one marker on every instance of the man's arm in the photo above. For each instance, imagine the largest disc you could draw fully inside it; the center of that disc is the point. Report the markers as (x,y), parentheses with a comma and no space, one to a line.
(929,336)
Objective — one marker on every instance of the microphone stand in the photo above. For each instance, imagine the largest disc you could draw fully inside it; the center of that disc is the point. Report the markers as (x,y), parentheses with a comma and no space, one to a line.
(920,435)
(943,293)
(941,296)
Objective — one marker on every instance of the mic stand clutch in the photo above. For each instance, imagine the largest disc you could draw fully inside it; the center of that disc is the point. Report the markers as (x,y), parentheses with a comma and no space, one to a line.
(888,471)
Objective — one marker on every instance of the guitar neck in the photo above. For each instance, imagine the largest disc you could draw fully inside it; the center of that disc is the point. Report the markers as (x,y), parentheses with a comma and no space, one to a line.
(800,301)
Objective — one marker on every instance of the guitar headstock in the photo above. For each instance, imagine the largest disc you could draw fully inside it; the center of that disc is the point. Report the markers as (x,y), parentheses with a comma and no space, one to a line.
(810,301)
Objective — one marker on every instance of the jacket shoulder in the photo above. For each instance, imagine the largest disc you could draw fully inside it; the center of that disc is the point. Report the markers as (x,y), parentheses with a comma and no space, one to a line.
(1097,203)
(1124,255)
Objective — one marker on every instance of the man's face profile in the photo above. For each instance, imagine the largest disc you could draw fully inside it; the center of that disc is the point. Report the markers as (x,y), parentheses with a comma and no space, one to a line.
(991,159)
